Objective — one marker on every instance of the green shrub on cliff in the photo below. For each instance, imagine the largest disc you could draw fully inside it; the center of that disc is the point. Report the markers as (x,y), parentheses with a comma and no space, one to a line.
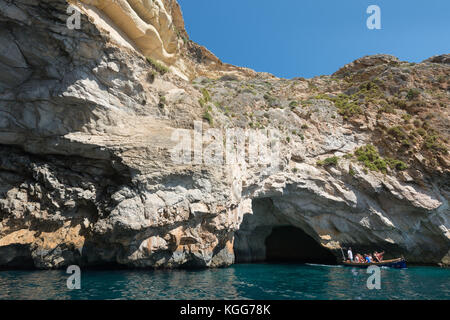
(208,117)
(345,104)
(331,161)
(396,164)
(206,95)
(369,156)
(162,69)
(412,94)
(397,132)
(432,143)
(371,159)
(293,104)
(350,105)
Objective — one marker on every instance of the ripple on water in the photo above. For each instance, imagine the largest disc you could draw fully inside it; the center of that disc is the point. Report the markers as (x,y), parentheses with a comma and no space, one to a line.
(252,281)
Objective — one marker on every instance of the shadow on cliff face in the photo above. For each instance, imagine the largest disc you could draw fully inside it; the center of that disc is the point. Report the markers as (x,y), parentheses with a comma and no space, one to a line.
(16,256)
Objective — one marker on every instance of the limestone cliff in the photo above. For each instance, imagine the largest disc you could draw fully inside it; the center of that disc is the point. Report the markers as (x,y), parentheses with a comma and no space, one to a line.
(88,116)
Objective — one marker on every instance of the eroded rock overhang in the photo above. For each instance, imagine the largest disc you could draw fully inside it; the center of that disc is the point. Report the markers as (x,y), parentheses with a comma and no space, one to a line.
(149,24)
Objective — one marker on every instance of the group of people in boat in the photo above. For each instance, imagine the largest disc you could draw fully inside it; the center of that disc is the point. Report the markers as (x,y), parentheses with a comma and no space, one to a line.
(367,258)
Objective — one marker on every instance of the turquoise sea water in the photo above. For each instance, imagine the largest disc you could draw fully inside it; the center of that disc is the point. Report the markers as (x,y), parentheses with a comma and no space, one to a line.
(245,281)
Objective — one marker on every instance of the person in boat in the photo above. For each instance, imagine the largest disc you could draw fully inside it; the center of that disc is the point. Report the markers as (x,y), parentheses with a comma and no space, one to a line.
(378,256)
(350,254)
(368,258)
(359,258)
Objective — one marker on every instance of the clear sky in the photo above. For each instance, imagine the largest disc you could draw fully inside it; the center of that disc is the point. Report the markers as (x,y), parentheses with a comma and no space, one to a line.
(305,38)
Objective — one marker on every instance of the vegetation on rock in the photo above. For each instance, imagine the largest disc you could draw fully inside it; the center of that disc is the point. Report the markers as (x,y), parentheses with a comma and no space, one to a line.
(159,67)
(370,157)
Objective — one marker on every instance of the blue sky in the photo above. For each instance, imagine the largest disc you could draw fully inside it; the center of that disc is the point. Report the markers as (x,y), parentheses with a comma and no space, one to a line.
(305,38)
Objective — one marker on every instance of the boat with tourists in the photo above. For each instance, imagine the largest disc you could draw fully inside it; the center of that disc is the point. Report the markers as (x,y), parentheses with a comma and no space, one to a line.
(399,263)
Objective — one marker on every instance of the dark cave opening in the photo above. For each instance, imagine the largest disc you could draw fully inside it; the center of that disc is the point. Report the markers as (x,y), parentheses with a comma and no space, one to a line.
(293,245)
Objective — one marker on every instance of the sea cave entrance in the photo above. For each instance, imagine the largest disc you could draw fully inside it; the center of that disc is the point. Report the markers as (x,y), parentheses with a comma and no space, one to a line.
(291,244)
(266,236)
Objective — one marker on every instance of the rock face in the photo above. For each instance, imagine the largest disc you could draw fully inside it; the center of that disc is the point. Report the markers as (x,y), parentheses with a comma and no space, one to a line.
(88,127)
